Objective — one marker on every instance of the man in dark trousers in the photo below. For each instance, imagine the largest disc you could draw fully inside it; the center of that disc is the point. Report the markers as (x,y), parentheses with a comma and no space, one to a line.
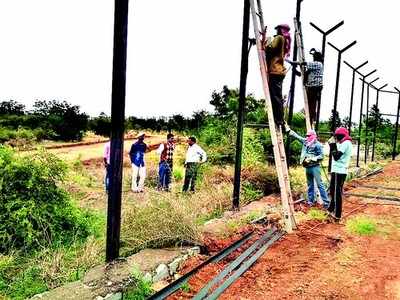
(276,51)
(195,155)
(314,72)
(341,150)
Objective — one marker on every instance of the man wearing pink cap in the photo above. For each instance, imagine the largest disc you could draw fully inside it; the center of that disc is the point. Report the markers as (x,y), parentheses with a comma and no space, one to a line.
(341,150)
(311,156)
(276,51)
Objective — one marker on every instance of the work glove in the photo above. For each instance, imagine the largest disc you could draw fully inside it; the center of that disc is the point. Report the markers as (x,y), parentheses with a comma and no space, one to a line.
(307,160)
(332,140)
(286,128)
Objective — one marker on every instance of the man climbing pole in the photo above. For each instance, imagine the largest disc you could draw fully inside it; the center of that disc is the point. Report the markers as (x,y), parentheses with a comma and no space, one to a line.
(314,72)
(341,149)
(276,51)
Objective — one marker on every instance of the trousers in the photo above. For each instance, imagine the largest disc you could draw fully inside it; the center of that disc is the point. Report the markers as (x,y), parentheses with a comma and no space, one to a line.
(336,191)
(138,178)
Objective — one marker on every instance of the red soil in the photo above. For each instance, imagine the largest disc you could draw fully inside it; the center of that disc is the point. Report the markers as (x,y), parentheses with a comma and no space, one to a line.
(321,260)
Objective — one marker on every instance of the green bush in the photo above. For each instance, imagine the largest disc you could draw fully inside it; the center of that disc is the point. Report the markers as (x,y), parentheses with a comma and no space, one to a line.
(361,225)
(35,211)
(253,151)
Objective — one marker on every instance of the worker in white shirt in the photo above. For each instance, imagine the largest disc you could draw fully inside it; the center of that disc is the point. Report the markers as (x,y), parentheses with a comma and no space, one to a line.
(195,155)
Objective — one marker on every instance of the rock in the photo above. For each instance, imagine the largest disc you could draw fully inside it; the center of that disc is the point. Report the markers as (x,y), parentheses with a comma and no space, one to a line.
(117,296)
(173,267)
(147,277)
(162,272)
(194,251)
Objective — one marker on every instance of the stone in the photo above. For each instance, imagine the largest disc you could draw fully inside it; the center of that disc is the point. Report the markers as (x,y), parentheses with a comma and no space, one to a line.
(116,296)
(70,291)
(162,272)
(194,251)
(173,267)
(147,277)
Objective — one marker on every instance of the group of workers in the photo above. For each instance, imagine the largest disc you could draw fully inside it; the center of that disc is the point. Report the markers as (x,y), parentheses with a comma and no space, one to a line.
(277,52)
(195,156)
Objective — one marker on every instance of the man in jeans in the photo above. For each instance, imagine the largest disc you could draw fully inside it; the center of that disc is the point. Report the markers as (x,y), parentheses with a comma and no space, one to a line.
(136,155)
(166,151)
(195,155)
(311,156)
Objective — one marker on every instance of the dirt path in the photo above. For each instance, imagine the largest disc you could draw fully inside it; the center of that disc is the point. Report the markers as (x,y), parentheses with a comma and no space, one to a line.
(95,151)
(323,260)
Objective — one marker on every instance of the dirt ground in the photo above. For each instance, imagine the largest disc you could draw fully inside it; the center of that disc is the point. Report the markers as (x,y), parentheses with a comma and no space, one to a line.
(323,260)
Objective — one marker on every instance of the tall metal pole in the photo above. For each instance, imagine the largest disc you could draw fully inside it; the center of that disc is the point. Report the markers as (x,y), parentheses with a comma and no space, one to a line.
(293,81)
(376,120)
(361,111)
(396,131)
(117,129)
(242,99)
(366,154)
(354,69)
(339,62)
(324,36)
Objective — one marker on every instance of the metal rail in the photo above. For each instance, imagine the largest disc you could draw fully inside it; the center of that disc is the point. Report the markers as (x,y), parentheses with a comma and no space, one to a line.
(374,197)
(244,267)
(232,266)
(174,286)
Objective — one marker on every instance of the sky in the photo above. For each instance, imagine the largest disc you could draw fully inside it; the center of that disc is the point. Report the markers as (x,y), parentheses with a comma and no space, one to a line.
(179,51)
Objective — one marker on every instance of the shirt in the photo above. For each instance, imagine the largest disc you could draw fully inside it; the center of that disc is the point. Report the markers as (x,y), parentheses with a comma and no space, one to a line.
(106,154)
(275,53)
(137,153)
(341,165)
(315,72)
(313,151)
(166,151)
(195,154)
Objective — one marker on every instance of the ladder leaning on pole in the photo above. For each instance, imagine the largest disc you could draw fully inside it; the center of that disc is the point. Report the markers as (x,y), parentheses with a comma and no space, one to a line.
(276,132)
(300,45)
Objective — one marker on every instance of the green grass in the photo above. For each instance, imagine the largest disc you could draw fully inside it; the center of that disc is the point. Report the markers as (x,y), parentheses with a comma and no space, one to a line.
(361,225)
(185,287)
(141,289)
(316,214)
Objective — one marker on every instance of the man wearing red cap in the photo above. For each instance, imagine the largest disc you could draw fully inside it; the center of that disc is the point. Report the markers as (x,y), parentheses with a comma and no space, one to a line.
(276,51)
(341,149)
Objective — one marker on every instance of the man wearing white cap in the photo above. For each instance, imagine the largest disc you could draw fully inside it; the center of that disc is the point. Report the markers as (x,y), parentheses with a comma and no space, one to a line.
(136,155)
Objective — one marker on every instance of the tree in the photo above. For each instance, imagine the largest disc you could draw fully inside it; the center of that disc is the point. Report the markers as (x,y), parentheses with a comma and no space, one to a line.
(100,125)
(11,107)
(64,119)
(338,122)
(375,117)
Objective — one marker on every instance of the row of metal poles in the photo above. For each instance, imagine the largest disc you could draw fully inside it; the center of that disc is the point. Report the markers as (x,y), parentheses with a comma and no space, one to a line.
(118,110)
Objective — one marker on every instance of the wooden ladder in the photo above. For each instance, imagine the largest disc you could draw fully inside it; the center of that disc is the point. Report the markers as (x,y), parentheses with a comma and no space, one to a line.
(300,47)
(276,132)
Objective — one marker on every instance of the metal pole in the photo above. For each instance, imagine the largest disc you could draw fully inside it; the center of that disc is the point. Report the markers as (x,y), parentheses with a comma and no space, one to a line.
(376,121)
(360,122)
(324,36)
(361,111)
(340,52)
(352,91)
(366,122)
(396,131)
(117,129)
(293,82)
(242,100)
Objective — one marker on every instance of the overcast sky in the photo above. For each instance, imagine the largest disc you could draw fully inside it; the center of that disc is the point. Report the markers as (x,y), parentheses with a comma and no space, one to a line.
(179,51)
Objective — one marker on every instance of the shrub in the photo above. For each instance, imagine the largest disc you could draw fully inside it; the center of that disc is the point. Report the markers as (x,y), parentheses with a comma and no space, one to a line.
(361,225)
(36,212)
(162,223)
(253,152)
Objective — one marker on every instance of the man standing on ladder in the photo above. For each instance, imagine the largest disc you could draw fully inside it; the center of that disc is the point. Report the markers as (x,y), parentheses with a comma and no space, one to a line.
(276,51)
(314,72)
